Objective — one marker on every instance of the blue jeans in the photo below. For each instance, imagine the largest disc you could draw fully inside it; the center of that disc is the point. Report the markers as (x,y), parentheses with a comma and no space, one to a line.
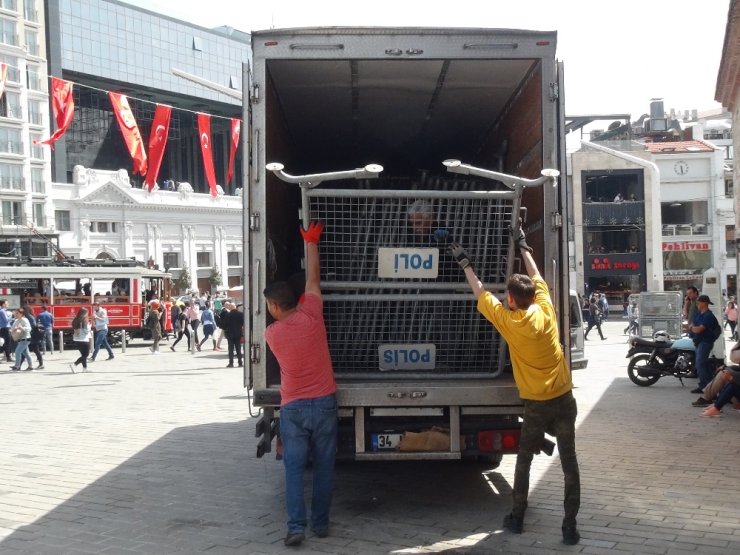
(21,352)
(309,426)
(703,368)
(48,343)
(101,340)
(726,394)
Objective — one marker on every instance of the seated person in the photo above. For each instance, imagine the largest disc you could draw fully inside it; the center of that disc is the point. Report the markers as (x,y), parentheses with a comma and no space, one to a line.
(730,390)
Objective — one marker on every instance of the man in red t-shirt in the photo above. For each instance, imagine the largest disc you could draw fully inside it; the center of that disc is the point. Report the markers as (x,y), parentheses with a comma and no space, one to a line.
(308,407)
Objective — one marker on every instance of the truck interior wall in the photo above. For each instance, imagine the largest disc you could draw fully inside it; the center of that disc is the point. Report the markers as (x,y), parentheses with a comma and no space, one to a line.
(520,129)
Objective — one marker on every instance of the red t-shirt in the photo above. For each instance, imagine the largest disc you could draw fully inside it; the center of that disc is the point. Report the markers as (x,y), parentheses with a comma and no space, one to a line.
(300,346)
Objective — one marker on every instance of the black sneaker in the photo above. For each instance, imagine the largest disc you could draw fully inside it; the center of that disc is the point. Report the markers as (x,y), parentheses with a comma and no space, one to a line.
(698,390)
(321,532)
(701,402)
(571,535)
(292,540)
(514,524)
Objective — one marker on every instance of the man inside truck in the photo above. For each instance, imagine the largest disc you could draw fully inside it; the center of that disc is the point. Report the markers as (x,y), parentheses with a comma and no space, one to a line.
(529,326)
(308,406)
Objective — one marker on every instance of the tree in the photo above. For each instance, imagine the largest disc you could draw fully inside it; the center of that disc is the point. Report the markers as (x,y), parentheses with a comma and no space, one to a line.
(183,281)
(215,278)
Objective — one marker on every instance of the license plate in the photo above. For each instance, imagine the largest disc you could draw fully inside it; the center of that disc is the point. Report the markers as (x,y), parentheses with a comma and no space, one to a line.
(411,356)
(384,442)
(408,263)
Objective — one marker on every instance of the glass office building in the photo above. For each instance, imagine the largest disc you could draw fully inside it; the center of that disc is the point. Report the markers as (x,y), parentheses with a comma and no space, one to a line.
(104,45)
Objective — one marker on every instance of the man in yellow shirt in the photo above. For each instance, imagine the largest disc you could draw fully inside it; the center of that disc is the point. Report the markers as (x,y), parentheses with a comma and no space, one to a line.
(529,325)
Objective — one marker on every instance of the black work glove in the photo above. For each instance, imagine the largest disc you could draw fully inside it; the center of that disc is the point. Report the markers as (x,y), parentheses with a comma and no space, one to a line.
(519,238)
(460,255)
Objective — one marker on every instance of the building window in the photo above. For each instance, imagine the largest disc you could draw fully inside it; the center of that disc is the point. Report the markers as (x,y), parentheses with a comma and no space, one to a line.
(33,78)
(11,177)
(102,227)
(233,258)
(10,140)
(61,220)
(203,259)
(37,151)
(729,187)
(32,42)
(197,44)
(8,33)
(35,113)
(14,76)
(9,5)
(10,105)
(39,217)
(730,247)
(37,180)
(13,213)
(171,260)
(29,11)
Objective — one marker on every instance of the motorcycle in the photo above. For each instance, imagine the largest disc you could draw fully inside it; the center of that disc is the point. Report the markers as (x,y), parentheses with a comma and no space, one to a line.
(659,357)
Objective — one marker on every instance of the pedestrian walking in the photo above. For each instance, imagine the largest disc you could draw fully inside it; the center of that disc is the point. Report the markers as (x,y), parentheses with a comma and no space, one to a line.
(234,334)
(208,319)
(20,331)
(530,327)
(37,337)
(193,313)
(308,407)
(46,319)
(594,318)
(81,338)
(5,318)
(182,325)
(731,315)
(101,331)
(155,327)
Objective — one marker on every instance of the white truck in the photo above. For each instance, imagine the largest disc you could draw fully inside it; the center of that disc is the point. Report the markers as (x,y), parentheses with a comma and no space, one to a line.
(400,140)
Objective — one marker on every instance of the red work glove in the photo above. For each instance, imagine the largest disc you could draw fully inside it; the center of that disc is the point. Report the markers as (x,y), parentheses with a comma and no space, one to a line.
(313,233)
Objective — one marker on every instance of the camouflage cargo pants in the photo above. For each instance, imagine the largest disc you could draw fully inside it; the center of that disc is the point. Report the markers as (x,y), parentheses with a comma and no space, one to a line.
(557,417)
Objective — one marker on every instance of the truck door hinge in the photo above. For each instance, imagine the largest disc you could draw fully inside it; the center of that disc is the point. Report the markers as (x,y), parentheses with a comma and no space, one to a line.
(255,94)
(254,352)
(554,92)
(254,221)
(556,220)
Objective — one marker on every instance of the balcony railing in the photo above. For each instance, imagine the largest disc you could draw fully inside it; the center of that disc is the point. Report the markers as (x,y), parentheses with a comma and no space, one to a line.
(17,183)
(614,213)
(38,186)
(12,111)
(9,39)
(11,147)
(670,230)
(35,118)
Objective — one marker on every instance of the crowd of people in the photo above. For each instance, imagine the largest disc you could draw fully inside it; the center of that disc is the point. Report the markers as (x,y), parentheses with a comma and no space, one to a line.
(22,333)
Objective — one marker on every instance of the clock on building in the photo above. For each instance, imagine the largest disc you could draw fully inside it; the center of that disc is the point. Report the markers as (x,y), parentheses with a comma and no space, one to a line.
(681,167)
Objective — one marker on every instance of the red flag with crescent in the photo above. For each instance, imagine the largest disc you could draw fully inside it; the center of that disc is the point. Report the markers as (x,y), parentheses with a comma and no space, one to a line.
(157,143)
(204,130)
(63,106)
(235,132)
(131,134)
(3,78)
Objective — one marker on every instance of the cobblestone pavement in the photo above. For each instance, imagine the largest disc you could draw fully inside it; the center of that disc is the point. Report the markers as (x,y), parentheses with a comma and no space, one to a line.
(156,454)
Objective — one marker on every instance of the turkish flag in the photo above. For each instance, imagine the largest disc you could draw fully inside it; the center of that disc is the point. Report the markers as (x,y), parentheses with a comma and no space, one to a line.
(3,78)
(157,143)
(204,130)
(130,130)
(236,126)
(63,106)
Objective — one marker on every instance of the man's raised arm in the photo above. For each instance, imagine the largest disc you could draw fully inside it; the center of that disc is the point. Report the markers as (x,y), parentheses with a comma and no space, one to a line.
(311,236)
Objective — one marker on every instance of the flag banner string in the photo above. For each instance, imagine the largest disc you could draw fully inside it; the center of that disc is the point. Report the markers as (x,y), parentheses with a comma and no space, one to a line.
(195,112)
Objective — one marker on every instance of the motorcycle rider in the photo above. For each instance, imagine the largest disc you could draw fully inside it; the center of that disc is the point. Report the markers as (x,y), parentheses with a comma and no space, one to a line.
(701,332)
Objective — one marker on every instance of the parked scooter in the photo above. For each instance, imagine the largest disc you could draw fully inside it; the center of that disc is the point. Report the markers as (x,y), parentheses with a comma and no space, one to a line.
(661,356)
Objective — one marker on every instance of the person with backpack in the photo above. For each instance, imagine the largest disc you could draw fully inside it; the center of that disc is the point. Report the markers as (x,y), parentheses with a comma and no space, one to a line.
(594,318)
(704,330)
(37,337)
(20,331)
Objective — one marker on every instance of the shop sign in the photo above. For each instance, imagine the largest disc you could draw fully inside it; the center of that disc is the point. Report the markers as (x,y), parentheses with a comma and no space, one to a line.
(686,246)
(605,263)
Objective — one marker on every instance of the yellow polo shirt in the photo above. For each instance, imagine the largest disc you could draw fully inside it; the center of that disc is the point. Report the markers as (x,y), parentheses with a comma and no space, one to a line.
(540,371)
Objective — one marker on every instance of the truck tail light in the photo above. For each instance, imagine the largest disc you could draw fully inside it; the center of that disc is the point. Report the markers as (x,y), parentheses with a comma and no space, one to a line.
(506,441)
